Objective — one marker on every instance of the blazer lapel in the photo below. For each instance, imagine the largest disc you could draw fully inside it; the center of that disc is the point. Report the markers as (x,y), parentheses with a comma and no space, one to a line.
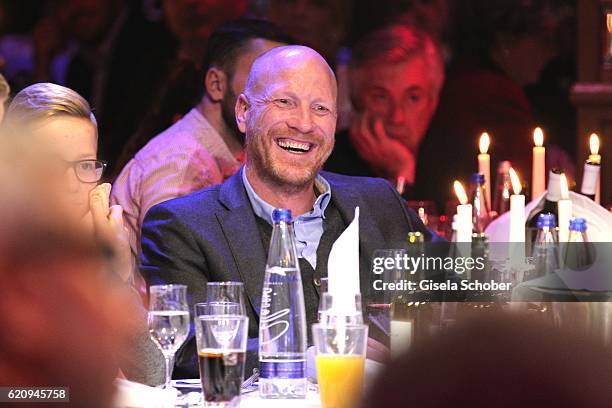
(370,236)
(242,236)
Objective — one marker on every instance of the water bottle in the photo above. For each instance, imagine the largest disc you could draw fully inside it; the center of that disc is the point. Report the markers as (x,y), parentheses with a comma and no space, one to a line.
(282,322)
(579,253)
(546,248)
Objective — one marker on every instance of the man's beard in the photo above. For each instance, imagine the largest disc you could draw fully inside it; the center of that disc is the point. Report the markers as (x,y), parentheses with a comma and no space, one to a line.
(228,113)
(273,172)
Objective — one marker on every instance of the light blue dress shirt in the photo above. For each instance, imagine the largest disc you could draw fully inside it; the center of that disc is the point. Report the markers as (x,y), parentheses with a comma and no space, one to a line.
(308,227)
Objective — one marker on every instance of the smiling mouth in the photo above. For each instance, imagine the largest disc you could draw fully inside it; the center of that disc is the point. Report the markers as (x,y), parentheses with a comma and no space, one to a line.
(294,146)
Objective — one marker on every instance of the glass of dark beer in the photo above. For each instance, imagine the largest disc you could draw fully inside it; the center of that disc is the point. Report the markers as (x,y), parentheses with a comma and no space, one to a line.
(221,341)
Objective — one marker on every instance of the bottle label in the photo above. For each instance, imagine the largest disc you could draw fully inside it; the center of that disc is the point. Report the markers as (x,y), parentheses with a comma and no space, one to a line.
(273,324)
(282,369)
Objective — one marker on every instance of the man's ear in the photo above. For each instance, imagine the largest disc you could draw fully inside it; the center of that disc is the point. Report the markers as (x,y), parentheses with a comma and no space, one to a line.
(242,108)
(216,84)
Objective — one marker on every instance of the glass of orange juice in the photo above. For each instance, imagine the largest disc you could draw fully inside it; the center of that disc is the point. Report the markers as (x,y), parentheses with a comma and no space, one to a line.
(341,353)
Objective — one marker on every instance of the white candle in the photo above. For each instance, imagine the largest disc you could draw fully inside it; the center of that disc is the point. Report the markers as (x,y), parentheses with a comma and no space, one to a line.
(484,163)
(464,215)
(517,222)
(595,158)
(538,171)
(517,210)
(564,210)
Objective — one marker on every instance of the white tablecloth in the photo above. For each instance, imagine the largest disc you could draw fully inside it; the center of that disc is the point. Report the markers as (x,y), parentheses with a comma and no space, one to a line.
(252,400)
(134,395)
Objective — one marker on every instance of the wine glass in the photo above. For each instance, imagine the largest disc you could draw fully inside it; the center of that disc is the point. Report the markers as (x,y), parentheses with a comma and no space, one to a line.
(168,321)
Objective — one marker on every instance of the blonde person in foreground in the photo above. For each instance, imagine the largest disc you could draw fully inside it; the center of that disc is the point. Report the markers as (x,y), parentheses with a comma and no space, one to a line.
(53,127)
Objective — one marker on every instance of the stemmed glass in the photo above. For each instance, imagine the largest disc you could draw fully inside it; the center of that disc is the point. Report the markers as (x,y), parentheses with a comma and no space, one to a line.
(168,321)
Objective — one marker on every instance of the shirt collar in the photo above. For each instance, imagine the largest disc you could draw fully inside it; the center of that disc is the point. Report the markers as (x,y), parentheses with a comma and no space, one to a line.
(264,210)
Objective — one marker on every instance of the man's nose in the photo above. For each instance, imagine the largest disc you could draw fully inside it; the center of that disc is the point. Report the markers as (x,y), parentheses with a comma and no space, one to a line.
(301,120)
(398,114)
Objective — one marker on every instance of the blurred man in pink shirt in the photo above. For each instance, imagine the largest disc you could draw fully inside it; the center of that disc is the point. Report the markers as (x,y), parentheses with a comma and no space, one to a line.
(204,147)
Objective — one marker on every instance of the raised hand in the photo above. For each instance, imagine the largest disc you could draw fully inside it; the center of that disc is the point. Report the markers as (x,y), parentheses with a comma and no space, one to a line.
(108,226)
(387,156)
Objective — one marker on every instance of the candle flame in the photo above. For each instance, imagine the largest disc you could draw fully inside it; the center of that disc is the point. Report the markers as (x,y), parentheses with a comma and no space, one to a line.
(484,143)
(516,182)
(538,137)
(564,187)
(594,143)
(460,192)
(609,22)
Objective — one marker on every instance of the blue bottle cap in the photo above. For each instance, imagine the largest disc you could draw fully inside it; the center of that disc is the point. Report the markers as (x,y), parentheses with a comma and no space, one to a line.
(546,220)
(477,178)
(578,224)
(281,214)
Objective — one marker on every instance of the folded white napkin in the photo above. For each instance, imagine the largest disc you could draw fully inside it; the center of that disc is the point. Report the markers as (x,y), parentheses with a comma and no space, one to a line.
(343,270)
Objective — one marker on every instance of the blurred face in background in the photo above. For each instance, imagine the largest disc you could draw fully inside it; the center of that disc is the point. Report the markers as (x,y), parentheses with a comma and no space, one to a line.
(66,140)
(193,21)
(433,14)
(319,24)
(402,95)
(88,20)
(524,58)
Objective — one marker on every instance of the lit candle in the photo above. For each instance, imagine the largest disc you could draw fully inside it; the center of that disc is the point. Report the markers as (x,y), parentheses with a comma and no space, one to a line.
(517,222)
(564,211)
(595,158)
(517,210)
(538,171)
(484,163)
(464,214)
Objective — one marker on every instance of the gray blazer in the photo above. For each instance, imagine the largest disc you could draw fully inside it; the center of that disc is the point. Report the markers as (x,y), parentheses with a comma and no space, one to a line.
(212,235)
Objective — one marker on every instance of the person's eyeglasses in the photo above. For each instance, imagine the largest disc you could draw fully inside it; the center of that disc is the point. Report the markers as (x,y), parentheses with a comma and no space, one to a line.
(89,170)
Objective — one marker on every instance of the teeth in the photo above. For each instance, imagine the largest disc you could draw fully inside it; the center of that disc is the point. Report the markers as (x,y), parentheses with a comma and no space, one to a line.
(294,145)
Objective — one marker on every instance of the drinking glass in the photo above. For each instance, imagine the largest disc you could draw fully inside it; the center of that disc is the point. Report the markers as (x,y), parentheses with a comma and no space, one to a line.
(341,353)
(228,291)
(221,340)
(218,308)
(168,321)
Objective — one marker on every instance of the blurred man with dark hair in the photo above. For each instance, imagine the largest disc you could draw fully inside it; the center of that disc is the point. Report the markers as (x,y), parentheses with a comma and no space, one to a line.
(204,147)
(396,75)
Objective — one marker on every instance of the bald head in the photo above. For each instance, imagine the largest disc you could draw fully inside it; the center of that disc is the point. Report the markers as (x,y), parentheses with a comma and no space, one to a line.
(288,113)
(297,61)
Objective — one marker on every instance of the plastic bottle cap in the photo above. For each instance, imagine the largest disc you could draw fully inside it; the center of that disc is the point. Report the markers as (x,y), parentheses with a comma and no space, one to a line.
(578,224)
(477,178)
(281,214)
(546,220)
